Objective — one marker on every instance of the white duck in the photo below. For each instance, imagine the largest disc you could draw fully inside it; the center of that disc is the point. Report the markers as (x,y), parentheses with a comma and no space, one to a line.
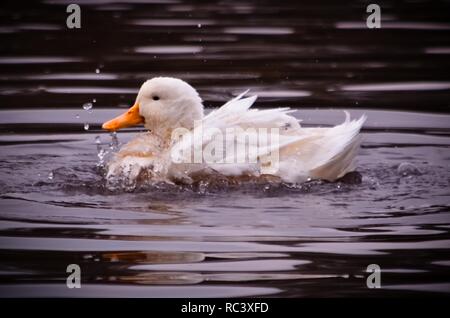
(292,153)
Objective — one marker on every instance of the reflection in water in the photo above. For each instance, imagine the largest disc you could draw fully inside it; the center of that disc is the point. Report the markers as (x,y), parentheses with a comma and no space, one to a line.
(259,30)
(232,239)
(438,50)
(423,86)
(38,60)
(169,49)
(396,25)
(172,22)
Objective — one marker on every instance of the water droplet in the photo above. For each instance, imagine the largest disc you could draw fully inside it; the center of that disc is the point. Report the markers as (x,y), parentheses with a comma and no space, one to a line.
(97,71)
(97,140)
(94,100)
(86,126)
(114,144)
(309,179)
(199,25)
(101,154)
(87,106)
(77,116)
(50,175)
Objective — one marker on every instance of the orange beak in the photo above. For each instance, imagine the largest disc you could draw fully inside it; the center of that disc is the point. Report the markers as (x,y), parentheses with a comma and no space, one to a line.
(130,118)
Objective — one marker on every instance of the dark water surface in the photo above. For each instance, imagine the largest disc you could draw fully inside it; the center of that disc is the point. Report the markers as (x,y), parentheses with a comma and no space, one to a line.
(314,239)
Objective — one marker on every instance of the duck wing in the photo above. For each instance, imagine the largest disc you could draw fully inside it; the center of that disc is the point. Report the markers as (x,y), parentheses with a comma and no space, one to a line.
(324,153)
(248,137)
(236,139)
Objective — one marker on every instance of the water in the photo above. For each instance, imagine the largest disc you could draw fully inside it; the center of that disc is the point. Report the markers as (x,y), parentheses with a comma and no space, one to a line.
(256,239)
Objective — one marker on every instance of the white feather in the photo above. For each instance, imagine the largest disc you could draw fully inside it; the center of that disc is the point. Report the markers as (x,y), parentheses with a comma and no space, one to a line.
(326,153)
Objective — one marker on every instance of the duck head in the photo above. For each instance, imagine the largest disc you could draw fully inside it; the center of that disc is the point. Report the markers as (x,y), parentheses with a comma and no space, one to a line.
(162,104)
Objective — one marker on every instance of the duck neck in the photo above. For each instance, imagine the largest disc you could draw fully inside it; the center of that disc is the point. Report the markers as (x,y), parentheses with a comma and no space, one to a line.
(162,131)
(164,123)
(165,132)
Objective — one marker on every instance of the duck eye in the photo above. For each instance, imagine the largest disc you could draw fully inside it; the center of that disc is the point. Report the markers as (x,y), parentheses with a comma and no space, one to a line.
(155,97)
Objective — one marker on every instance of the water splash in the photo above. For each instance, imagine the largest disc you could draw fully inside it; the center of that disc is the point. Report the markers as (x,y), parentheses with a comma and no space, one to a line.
(88,106)
(101,157)
(103,154)
(114,144)
(407,169)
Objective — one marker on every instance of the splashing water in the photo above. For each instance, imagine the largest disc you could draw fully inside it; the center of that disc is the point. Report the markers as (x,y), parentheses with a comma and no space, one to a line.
(100,152)
(104,154)
(101,157)
(406,169)
(114,144)
(88,107)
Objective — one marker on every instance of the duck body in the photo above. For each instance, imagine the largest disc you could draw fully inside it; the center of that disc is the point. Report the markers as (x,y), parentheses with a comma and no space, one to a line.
(234,140)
